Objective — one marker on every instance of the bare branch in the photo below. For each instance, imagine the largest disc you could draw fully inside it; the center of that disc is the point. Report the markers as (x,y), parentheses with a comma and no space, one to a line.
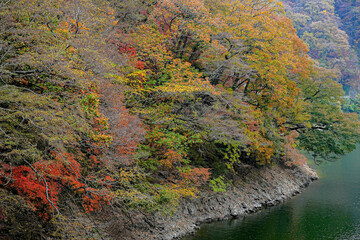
(46,186)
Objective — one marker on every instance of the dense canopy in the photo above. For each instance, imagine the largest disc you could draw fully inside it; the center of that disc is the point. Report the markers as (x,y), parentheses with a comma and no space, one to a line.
(143,103)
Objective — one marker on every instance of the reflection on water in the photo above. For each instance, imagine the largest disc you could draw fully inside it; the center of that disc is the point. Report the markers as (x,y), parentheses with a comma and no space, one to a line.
(328,209)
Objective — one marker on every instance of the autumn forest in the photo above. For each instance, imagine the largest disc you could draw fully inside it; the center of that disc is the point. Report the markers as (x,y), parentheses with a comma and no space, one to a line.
(138,105)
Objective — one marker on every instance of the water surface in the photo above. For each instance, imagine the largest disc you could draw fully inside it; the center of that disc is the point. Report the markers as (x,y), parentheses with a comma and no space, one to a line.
(328,209)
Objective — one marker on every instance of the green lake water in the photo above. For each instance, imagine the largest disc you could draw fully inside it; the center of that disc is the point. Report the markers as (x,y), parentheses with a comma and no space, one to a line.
(328,209)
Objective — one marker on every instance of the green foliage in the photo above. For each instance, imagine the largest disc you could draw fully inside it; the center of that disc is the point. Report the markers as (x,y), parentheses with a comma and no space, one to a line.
(218,184)
(90,105)
(153,197)
(34,124)
(352,105)
(331,132)
(231,153)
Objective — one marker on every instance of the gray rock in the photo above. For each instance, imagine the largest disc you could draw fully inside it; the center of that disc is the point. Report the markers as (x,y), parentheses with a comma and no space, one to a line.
(259,188)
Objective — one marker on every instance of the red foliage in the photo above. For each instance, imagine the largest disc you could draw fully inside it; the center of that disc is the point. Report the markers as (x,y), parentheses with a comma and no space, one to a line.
(93,199)
(35,190)
(94,160)
(41,183)
(125,49)
(139,65)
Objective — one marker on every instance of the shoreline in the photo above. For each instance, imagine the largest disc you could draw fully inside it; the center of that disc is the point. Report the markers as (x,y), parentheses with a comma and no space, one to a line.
(252,191)
(258,189)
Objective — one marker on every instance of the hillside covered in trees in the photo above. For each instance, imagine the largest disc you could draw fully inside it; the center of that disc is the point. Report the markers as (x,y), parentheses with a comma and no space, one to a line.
(141,104)
(331,31)
(349,12)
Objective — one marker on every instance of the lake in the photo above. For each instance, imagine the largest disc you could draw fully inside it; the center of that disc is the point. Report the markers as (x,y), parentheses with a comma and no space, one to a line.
(328,209)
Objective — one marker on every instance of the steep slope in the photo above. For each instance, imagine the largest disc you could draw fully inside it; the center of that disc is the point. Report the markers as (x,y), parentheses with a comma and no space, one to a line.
(114,113)
(349,13)
(319,25)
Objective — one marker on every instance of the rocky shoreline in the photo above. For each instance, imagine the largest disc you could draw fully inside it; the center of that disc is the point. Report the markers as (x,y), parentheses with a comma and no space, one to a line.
(252,191)
(260,188)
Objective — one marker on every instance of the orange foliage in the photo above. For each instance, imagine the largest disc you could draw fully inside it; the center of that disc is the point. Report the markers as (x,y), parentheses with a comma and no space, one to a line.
(293,155)
(196,176)
(171,158)
(93,199)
